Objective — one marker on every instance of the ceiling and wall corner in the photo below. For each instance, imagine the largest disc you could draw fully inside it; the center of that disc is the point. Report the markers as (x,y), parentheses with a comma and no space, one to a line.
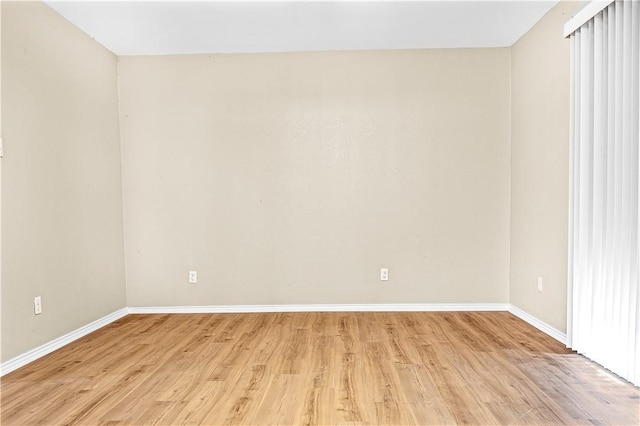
(174,27)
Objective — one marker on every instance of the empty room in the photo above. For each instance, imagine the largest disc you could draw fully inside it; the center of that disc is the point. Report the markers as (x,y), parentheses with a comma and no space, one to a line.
(319,213)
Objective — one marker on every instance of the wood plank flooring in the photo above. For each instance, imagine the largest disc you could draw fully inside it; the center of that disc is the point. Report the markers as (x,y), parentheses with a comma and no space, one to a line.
(316,369)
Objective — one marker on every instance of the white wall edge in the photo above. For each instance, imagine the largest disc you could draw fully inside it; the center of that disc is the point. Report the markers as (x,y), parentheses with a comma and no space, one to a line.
(584,15)
(386,307)
(540,325)
(40,351)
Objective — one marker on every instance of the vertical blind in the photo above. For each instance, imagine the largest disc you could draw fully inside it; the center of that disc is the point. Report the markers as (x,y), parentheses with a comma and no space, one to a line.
(604,293)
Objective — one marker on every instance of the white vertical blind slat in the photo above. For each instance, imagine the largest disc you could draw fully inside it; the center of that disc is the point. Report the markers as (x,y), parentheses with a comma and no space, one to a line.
(604,293)
(634,297)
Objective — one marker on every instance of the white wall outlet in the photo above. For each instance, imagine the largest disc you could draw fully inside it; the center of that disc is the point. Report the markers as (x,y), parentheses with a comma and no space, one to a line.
(384,274)
(540,284)
(37,305)
(193,277)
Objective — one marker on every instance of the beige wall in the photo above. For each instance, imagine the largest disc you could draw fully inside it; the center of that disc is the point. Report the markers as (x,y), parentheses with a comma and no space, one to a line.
(62,235)
(292,178)
(540,167)
(281,178)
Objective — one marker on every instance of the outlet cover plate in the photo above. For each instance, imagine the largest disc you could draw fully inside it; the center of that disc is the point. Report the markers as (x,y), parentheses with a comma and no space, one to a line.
(384,274)
(37,305)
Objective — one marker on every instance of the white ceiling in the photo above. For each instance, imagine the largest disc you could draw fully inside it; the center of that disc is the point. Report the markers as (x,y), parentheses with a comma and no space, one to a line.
(183,27)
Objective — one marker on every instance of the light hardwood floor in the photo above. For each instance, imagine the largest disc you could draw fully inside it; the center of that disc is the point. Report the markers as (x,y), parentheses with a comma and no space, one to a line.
(317,368)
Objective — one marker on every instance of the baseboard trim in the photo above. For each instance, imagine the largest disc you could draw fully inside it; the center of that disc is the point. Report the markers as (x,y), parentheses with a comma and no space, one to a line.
(34,354)
(40,351)
(540,325)
(384,307)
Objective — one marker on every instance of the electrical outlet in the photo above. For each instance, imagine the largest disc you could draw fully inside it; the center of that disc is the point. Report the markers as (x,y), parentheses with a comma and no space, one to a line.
(384,274)
(193,277)
(37,305)
(540,284)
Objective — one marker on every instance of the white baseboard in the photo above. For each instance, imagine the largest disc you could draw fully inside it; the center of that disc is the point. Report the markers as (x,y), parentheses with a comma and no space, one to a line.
(540,325)
(40,351)
(385,307)
(34,354)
